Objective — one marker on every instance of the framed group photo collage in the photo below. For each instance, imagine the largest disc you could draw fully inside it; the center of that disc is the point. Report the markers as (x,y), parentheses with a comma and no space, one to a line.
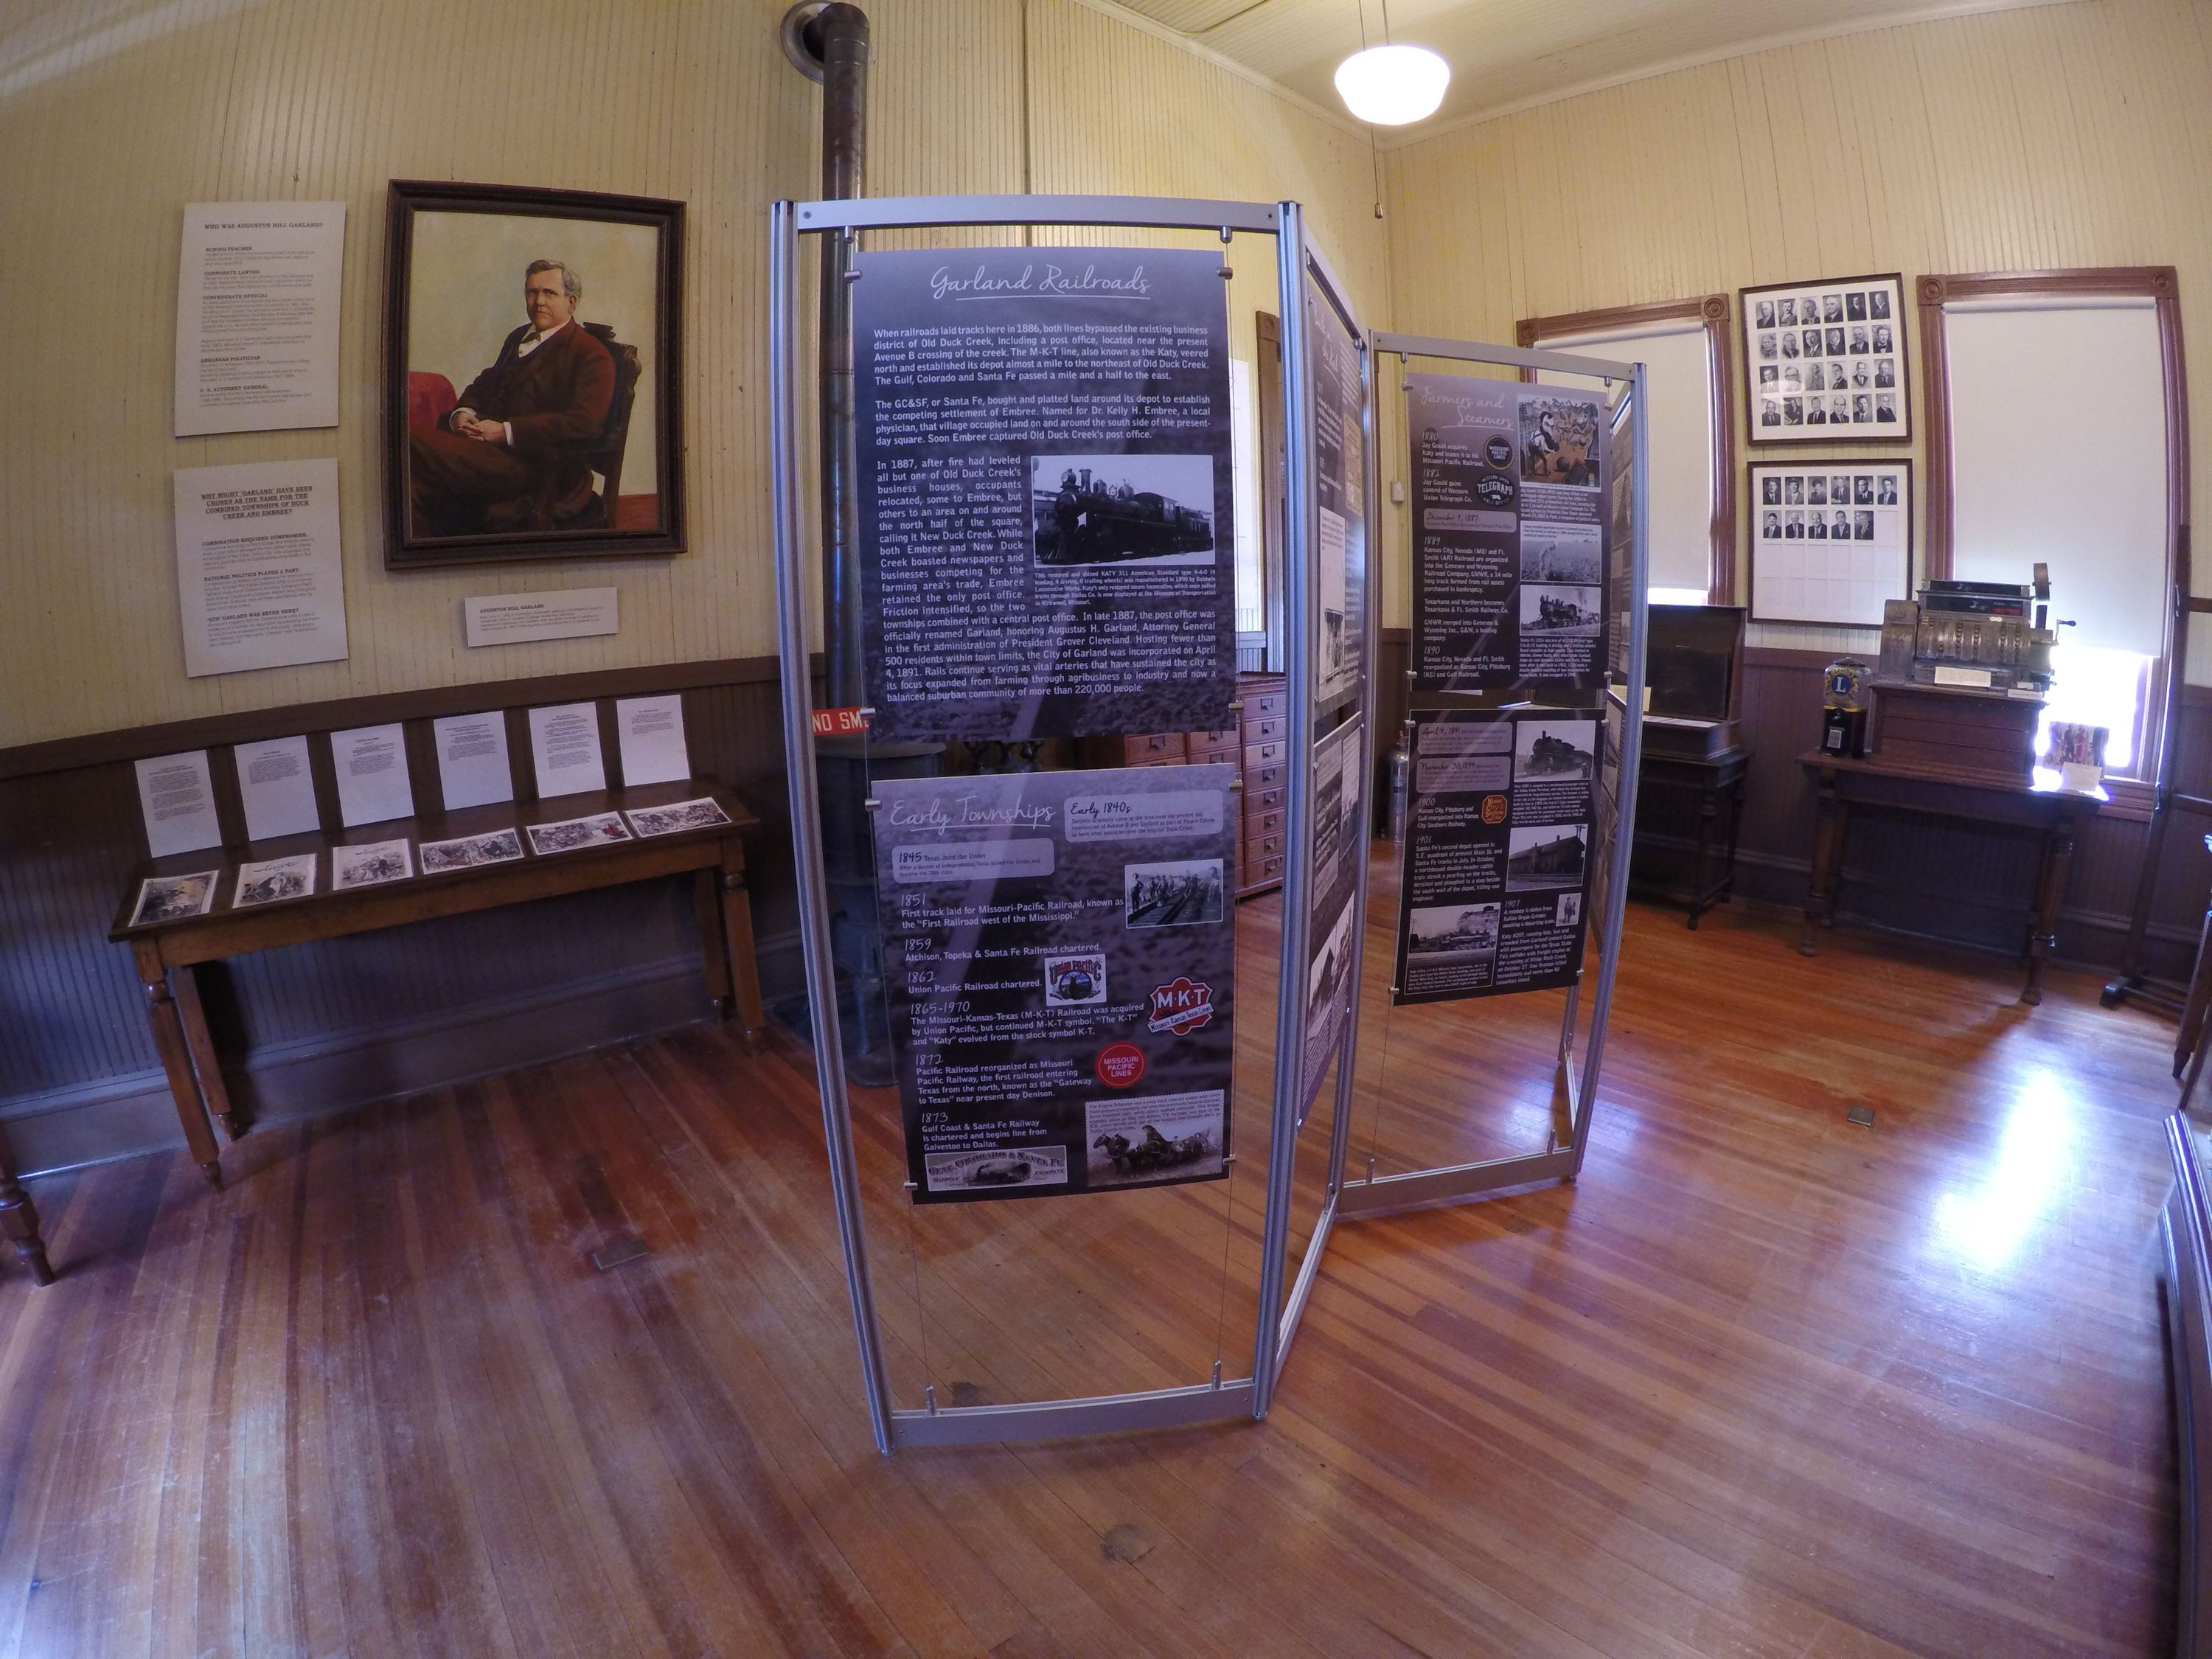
(1831,541)
(1824,362)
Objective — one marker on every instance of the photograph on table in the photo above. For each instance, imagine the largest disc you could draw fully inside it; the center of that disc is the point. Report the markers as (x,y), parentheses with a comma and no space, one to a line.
(532,375)
(1851,552)
(174,899)
(1846,343)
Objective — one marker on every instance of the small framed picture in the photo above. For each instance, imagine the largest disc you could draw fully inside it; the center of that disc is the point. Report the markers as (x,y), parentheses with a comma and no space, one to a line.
(1839,559)
(533,375)
(1849,339)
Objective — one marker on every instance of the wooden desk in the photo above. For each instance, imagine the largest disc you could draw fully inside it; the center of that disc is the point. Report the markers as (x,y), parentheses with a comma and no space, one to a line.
(1714,785)
(168,952)
(2055,814)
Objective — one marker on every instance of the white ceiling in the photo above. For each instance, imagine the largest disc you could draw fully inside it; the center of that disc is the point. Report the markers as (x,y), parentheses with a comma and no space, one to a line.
(1510,54)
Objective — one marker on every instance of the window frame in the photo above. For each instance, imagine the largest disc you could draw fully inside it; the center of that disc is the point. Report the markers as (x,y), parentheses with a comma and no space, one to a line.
(2131,797)
(1712,310)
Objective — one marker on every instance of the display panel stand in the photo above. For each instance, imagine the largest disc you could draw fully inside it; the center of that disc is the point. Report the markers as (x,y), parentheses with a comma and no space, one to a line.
(1374,1194)
(1297,259)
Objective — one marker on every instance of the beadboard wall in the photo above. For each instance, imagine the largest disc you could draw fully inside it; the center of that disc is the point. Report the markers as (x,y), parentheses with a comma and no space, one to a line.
(113,115)
(2060,135)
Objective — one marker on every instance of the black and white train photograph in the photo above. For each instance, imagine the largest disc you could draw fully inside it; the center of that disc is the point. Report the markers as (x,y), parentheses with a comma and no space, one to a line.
(1444,935)
(1179,894)
(1568,612)
(1119,510)
(1545,856)
(1550,751)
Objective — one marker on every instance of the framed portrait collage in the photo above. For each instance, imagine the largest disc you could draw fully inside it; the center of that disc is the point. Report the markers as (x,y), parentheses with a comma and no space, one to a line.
(533,375)
(1824,362)
(1831,541)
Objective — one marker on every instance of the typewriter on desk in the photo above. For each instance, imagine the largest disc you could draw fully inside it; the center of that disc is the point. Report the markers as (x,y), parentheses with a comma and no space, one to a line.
(1964,672)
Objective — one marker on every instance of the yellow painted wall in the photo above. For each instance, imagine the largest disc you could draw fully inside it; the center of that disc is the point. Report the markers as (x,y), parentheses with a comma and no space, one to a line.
(113,114)
(2070,135)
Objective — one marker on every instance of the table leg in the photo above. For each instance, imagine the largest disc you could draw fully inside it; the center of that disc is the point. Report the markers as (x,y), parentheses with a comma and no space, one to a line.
(184,984)
(713,948)
(177,1062)
(737,931)
(2050,891)
(1707,809)
(1735,829)
(19,1220)
(2191,1031)
(1827,858)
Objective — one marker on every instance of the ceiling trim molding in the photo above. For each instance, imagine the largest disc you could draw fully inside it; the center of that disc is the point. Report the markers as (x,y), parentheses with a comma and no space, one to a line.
(1900,18)
(1144,25)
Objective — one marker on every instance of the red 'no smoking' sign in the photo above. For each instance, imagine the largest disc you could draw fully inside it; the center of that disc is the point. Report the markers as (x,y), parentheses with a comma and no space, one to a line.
(1119,1065)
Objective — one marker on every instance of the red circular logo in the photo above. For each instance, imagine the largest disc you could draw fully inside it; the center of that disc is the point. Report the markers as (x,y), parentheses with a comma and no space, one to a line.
(1494,809)
(1119,1065)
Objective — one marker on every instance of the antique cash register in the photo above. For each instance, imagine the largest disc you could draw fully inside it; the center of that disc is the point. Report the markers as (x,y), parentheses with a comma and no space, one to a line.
(1965,669)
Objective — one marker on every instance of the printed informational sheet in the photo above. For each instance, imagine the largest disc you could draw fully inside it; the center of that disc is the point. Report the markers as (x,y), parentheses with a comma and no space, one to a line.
(1510,531)
(257,316)
(259,583)
(1046,513)
(178,802)
(1498,852)
(567,613)
(1057,949)
(564,744)
(1340,846)
(371,764)
(1340,484)
(275,787)
(650,733)
(473,765)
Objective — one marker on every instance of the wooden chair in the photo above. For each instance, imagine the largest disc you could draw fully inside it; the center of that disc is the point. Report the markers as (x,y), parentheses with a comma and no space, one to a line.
(604,454)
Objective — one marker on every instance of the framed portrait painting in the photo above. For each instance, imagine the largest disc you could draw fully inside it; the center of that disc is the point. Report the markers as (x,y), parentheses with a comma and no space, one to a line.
(1831,541)
(533,404)
(1824,362)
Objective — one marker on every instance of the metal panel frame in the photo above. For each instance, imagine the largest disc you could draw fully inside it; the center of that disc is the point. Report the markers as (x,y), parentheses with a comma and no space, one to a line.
(1375,1195)
(1154,1408)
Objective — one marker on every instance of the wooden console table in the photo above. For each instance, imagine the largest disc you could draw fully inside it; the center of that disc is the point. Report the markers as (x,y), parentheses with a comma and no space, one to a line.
(1713,784)
(168,952)
(2055,814)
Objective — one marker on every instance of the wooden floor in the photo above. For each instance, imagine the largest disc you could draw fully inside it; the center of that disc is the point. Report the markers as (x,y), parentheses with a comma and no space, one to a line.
(1763,1383)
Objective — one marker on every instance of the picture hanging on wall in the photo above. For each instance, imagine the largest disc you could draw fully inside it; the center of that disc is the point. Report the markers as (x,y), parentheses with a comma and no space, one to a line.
(1831,541)
(1824,362)
(532,375)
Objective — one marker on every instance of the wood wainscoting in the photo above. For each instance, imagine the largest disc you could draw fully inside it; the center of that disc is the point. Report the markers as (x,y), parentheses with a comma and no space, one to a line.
(317,1027)
(1948,880)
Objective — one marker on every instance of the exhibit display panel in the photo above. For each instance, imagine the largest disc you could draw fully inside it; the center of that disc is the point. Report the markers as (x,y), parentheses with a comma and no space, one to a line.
(1488,1004)
(1043,447)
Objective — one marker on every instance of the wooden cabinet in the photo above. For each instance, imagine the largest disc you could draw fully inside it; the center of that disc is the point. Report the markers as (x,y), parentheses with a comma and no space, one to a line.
(1257,744)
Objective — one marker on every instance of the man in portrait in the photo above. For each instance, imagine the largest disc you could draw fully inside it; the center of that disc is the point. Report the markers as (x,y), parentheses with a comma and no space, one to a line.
(509,456)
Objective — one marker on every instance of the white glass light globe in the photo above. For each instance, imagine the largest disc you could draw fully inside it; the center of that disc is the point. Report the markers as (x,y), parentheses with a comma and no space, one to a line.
(1389,86)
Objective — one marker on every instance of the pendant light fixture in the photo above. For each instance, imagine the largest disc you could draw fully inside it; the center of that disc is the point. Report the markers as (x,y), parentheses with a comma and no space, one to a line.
(1390,86)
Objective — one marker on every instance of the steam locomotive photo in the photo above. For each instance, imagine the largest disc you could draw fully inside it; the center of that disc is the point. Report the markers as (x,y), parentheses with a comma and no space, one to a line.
(1111,509)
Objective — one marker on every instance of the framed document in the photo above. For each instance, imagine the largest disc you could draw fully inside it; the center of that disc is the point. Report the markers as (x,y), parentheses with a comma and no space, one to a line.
(1830,540)
(533,404)
(1824,362)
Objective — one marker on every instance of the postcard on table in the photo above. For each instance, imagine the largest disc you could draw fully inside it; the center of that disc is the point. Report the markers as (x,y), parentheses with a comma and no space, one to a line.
(270,880)
(467,852)
(174,899)
(370,864)
(571,835)
(678,816)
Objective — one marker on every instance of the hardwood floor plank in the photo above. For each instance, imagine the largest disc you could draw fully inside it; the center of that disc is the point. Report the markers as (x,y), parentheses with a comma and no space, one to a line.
(1761,1383)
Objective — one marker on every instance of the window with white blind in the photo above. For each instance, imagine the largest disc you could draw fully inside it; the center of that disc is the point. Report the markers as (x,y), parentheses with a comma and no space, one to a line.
(1679,380)
(2057,424)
